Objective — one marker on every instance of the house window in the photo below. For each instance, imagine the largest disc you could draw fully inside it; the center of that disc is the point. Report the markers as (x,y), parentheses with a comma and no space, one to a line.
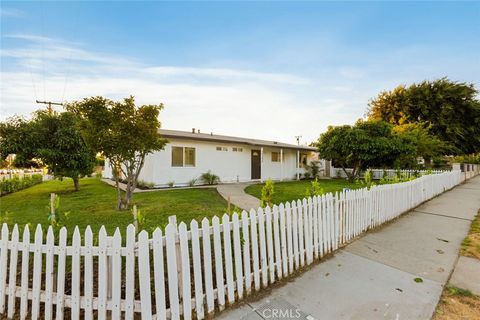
(275,156)
(189,157)
(177,156)
(222,149)
(235,149)
(183,157)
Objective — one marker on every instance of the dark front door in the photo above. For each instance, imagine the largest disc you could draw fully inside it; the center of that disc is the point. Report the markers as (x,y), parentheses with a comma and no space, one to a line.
(256,168)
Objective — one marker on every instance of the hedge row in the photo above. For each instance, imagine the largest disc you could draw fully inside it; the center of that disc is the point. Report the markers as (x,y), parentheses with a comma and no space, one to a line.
(16,183)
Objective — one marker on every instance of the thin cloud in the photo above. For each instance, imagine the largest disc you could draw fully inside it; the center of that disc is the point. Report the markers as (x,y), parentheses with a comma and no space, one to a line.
(220,100)
(11,13)
(225,74)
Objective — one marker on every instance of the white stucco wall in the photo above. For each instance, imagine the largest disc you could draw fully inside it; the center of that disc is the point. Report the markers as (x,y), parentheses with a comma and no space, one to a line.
(230,166)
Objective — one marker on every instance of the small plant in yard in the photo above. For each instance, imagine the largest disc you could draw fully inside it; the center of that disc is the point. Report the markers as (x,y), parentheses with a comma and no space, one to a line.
(368,179)
(171,184)
(56,217)
(268,191)
(314,189)
(210,178)
(141,219)
(145,185)
(192,182)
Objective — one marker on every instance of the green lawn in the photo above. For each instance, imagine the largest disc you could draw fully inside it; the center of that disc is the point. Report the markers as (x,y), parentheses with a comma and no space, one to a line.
(94,205)
(294,190)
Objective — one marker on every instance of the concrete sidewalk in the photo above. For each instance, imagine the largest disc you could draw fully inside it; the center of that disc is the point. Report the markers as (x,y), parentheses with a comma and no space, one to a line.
(373,277)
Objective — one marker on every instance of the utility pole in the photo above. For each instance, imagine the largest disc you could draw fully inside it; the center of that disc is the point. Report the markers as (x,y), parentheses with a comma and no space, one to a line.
(298,139)
(298,157)
(49,103)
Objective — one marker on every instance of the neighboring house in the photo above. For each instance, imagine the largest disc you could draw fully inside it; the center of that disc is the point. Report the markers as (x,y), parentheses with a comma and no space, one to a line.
(189,154)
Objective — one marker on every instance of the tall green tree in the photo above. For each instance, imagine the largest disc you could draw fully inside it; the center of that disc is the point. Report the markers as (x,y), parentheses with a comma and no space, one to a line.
(425,145)
(450,109)
(51,138)
(123,133)
(366,144)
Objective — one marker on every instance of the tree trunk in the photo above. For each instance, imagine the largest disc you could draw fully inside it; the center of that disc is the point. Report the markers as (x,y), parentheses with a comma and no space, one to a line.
(76,183)
(119,194)
(128,196)
(349,175)
(117,186)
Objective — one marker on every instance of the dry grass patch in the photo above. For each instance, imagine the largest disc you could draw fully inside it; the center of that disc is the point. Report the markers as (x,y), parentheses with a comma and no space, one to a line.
(457,304)
(471,243)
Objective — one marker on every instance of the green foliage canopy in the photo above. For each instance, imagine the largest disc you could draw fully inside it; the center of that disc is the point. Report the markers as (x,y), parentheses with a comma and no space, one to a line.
(52,138)
(366,144)
(123,133)
(450,109)
(424,143)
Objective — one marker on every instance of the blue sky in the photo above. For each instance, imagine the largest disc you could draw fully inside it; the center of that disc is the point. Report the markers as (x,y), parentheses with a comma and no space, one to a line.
(267,70)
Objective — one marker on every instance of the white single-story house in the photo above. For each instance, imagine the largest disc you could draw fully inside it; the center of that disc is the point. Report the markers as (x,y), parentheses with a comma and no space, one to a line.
(189,154)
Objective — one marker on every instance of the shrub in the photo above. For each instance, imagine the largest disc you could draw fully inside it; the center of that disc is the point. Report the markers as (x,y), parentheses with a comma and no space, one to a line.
(145,185)
(192,182)
(268,191)
(314,189)
(307,175)
(171,184)
(368,178)
(16,184)
(210,178)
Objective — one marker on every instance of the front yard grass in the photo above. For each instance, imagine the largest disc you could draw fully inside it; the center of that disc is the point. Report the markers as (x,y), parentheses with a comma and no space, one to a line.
(294,190)
(94,205)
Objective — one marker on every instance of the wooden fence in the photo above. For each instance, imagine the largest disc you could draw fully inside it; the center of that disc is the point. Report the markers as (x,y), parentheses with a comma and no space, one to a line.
(194,270)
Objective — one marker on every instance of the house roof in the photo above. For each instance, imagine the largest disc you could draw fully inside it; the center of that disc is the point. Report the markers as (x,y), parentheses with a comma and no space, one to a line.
(186,135)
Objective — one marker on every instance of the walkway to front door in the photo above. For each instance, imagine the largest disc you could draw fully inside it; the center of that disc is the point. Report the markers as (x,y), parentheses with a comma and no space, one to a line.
(237,195)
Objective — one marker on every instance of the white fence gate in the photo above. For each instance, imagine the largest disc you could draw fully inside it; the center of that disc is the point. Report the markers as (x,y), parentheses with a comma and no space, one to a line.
(191,270)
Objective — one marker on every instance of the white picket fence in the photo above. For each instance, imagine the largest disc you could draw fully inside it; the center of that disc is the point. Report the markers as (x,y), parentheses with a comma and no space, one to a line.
(378,174)
(190,271)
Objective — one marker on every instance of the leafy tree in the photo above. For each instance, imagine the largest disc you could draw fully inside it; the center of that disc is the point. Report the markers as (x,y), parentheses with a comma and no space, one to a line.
(123,133)
(52,138)
(425,144)
(450,109)
(366,144)
(17,137)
